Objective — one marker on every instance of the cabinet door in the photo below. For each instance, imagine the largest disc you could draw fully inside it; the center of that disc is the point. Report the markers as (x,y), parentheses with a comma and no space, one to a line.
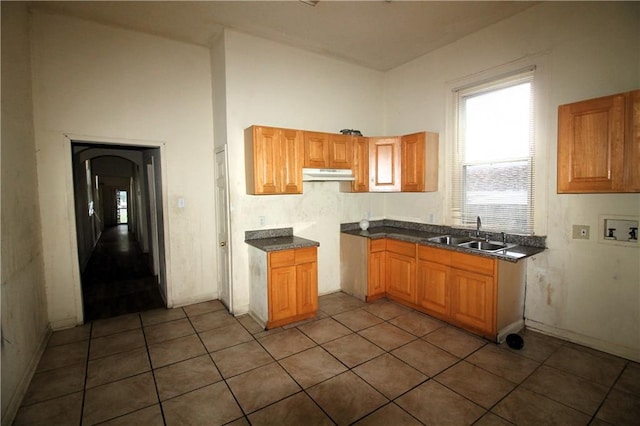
(263,148)
(316,150)
(360,165)
(282,293)
(432,285)
(307,289)
(412,148)
(632,143)
(384,165)
(376,274)
(473,300)
(401,276)
(290,161)
(340,151)
(590,145)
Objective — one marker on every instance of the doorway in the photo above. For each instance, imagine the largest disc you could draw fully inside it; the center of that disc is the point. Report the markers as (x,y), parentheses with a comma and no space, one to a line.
(117,191)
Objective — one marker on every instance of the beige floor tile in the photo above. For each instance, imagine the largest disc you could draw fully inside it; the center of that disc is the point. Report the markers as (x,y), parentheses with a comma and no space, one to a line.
(338,303)
(566,388)
(176,350)
(55,383)
(65,410)
(225,337)
(390,414)
(353,350)
(241,358)
(387,336)
(262,386)
(416,323)
(324,330)
(150,416)
(585,364)
(346,398)
(240,422)
(536,346)
(63,356)
(455,341)
(286,343)
(312,366)
(629,381)
(524,408)
(358,319)
(425,357)
(386,309)
(116,343)
(389,376)
(212,320)
(70,335)
(505,364)
(476,384)
(114,325)
(168,330)
(118,398)
(432,403)
(115,367)
(211,405)
(185,376)
(157,316)
(295,410)
(250,324)
(491,419)
(620,408)
(203,308)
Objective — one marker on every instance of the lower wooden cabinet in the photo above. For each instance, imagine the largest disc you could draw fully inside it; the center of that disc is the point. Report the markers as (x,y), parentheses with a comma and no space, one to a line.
(432,288)
(377,269)
(472,300)
(401,270)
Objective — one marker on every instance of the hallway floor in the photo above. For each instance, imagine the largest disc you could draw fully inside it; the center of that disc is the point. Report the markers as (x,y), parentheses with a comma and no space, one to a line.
(117,279)
(370,364)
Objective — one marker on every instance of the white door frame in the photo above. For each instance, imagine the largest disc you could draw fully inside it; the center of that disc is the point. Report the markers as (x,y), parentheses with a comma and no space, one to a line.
(223,220)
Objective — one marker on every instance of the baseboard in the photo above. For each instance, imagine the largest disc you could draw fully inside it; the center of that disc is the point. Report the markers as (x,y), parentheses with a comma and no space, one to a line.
(580,339)
(8,416)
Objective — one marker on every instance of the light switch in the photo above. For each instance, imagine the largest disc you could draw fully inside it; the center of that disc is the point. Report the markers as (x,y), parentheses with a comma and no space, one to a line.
(181,203)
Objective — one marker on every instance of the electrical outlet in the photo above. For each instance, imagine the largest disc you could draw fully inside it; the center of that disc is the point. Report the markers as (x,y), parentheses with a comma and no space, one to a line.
(580,232)
(263,220)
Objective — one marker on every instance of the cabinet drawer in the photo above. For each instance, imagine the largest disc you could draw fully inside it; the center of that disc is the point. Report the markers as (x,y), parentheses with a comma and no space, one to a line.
(281,258)
(378,245)
(305,255)
(434,255)
(402,247)
(477,264)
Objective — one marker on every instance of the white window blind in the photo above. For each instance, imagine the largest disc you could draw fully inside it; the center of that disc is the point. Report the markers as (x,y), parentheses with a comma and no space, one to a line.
(493,160)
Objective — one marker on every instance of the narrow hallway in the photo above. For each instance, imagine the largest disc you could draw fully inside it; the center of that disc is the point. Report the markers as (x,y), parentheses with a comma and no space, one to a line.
(117,279)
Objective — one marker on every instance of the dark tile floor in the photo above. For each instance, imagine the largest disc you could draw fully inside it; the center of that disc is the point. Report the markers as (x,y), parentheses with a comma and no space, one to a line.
(355,363)
(117,279)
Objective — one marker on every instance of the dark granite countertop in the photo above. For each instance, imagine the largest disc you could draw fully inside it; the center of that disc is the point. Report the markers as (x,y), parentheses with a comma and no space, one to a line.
(520,246)
(277,239)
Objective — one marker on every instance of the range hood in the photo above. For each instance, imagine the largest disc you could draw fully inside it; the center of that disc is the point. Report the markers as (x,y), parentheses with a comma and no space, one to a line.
(319,175)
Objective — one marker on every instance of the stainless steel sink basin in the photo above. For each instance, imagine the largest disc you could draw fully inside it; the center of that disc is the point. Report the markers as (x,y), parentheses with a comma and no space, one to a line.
(449,240)
(484,245)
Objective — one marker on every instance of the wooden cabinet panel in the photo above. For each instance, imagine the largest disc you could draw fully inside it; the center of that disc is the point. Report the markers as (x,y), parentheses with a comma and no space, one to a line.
(360,164)
(307,287)
(469,262)
(402,247)
(432,285)
(384,164)
(282,293)
(340,151)
(419,162)
(401,278)
(378,245)
(377,267)
(273,160)
(316,149)
(632,154)
(473,300)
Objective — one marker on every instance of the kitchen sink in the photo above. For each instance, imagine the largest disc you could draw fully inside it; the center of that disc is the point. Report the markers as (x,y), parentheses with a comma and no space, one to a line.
(484,245)
(449,240)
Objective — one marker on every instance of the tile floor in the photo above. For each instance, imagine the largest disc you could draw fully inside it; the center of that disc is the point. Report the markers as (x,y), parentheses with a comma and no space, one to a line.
(368,364)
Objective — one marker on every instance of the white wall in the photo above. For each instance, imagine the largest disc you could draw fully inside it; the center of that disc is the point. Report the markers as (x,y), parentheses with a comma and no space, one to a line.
(24,305)
(114,85)
(274,85)
(580,290)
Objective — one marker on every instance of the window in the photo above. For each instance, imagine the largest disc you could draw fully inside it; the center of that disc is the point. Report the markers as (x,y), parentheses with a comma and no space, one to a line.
(493,160)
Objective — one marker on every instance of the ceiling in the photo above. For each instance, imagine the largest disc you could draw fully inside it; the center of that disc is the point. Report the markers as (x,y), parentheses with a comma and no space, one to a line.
(380,35)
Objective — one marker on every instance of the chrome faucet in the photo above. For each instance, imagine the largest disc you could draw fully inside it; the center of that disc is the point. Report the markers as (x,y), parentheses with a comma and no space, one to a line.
(478,225)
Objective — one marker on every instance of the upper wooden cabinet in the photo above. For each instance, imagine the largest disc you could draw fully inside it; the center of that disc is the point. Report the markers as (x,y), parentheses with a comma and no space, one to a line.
(384,164)
(327,150)
(419,162)
(360,164)
(599,145)
(273,160)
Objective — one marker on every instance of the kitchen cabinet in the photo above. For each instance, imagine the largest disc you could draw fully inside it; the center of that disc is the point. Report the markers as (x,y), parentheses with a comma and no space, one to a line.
(273,160)
(419,162)
(327,150)
(400,270)
(599,145)
(363,267)
(384,164)
(376,268)
(432,286)
(359,166)
(292,283)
